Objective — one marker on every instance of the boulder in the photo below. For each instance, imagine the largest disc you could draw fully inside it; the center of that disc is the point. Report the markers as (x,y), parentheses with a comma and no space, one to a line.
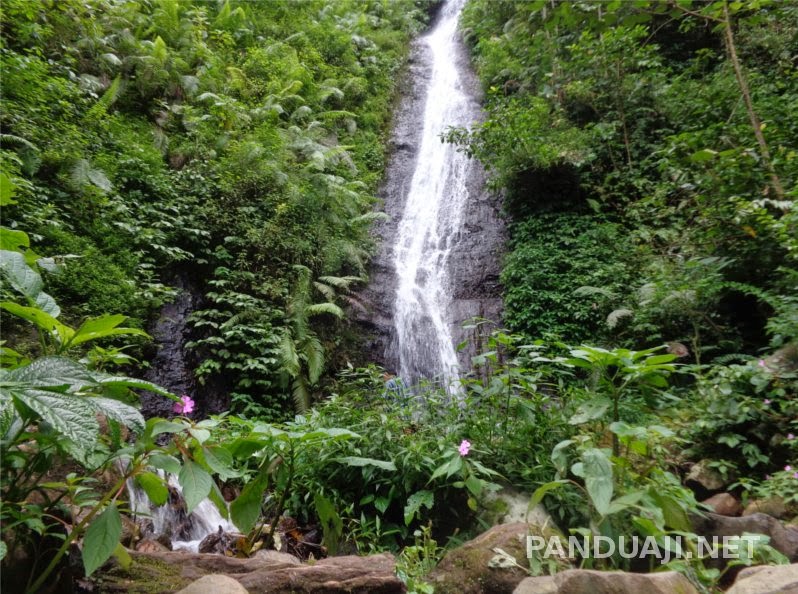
(167,572)
(508,506)
(704,479)
(782,538)
(724,504)
(214,584)
(771,579)
(466,570)
(586,581)
(772,506)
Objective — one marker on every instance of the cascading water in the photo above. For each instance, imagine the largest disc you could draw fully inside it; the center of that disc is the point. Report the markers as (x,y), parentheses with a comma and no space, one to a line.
(184,531)
(433,215)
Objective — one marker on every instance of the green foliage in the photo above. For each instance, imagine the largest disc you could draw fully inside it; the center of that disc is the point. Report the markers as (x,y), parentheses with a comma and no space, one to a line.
(551,256)
(742,413)
(635,111)
(239,139)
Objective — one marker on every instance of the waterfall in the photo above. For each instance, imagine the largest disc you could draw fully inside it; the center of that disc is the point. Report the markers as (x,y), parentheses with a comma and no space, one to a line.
(184,531)
(433,215)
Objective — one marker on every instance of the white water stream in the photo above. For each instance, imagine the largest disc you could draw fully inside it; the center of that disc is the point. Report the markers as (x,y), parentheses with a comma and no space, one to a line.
(433,216)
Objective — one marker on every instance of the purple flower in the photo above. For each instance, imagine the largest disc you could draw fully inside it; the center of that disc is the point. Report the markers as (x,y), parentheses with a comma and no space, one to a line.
(464,448)
(766,401)
(185,406)
(762,363)
(795,476)
(788,468)
(790,436)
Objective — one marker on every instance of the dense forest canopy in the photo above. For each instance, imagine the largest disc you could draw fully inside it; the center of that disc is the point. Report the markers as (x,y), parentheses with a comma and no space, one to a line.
(646,153)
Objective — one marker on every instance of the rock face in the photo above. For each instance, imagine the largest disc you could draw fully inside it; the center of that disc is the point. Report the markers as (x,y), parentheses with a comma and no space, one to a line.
(774,579)
(725,504)
(782,538)
(465,570)
(583,581)
(165,573)
(172,365)
(214,584)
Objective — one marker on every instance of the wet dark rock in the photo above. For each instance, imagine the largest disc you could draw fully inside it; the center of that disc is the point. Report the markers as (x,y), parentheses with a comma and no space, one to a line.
(172,365)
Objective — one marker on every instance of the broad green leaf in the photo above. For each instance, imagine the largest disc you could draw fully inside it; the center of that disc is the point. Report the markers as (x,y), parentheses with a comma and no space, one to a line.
(541,491)
(590,411)
(41,319)
(13,240)
(120,412)
(51,372)
(123,557)
(120,381)
(356,461)
(196,484)
(598,479)
(102,327)
(20,276)
(331,522)
(161,426)
(70,415)
(474,485)
(220,460)
(101,539)
(7,190)
(246,509)
(165,462)
(154,487)
(674,515)
(415,502)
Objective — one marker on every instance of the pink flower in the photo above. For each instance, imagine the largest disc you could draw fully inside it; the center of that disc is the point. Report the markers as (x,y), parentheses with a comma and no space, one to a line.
(790,436)
(185,406)
(762,363)
(766,401)
(767,477)
(788,468)
(795,476)
(464,448)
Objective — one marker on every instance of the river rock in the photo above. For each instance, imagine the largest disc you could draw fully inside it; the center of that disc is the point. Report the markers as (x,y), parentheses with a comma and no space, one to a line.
(214,584)
(782,538)
(772,506)
(585,581)
(773,579)
(704,479)
(725,504)
(465,570)
(508,506)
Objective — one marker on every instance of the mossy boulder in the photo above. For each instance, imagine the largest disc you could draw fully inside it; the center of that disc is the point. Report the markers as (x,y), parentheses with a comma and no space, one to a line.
(467,570)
